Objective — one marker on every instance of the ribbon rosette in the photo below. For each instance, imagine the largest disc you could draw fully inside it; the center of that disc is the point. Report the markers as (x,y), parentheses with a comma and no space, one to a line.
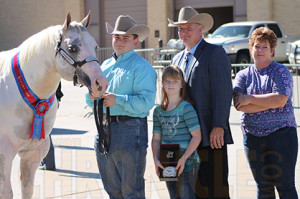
(42,107)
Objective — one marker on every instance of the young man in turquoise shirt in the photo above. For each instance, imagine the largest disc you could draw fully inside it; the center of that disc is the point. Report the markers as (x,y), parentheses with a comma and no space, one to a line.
(130,95)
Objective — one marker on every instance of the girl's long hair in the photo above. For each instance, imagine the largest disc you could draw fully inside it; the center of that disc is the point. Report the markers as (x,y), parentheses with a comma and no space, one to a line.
(172,72)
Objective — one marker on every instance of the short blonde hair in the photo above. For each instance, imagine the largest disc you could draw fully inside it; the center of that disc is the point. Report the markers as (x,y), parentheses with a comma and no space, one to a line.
(263,34)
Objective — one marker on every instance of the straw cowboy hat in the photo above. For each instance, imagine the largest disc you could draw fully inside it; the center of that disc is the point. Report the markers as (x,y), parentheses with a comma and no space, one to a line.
(190,15)
(127,25)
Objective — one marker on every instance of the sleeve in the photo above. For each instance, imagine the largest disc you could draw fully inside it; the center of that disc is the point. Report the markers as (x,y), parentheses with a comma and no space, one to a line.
(88,100)
(240,82)
(157,129)
(283,82)
(220,86)
(144,86)
(191,118)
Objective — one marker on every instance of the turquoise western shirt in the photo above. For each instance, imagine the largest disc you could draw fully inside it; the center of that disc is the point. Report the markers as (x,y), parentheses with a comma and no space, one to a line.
(133,80)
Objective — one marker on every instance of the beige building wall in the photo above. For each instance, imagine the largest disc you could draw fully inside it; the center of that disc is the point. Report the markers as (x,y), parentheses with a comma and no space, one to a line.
(20,19)
(158,11)
(285,12)
(137,9)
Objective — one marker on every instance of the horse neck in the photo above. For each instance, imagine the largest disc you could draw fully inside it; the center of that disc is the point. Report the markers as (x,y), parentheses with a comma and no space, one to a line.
(39,68)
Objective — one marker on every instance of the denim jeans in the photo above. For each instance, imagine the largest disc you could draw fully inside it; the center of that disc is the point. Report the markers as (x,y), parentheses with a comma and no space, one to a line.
(272,160)
(122,169)
(184,188)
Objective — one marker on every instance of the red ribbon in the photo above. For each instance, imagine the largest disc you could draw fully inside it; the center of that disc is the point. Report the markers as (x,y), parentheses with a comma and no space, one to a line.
(39,107)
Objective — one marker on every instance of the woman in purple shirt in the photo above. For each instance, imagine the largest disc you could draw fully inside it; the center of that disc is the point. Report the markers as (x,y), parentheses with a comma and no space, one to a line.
(263,92)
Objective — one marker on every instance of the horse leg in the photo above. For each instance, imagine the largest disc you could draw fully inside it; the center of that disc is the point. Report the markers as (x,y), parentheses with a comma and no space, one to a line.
(30,161)
(7,155)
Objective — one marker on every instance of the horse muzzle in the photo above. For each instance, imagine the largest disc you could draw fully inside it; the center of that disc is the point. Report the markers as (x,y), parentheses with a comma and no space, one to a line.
(95,82)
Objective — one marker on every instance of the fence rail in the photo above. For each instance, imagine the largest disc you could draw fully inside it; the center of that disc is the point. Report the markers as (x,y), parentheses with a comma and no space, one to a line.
(160,58)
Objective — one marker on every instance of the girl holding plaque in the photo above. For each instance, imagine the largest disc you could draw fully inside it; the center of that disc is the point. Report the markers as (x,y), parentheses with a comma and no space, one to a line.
(175,123)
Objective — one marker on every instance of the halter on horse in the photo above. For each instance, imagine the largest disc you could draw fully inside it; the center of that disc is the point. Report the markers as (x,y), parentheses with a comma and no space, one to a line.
(42,59)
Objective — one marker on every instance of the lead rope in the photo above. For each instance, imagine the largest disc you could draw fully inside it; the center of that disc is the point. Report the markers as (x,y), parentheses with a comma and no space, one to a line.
(104,139)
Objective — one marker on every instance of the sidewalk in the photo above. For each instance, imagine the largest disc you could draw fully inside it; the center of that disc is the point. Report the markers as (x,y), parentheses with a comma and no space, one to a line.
(77,175)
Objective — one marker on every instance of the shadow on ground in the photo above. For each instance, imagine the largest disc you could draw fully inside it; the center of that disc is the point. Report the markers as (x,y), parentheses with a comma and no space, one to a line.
(60,131)
(74,147)
(77,174)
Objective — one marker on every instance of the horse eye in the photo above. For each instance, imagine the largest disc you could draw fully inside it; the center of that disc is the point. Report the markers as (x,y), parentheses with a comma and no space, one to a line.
(73,49)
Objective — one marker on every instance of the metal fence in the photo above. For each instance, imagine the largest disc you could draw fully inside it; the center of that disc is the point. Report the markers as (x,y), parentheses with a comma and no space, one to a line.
(155,56)
(295,71)
(160,58)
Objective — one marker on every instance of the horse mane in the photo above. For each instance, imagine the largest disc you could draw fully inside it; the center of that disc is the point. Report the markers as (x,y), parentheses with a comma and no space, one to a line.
(36,43)
(44,40)
(39,42)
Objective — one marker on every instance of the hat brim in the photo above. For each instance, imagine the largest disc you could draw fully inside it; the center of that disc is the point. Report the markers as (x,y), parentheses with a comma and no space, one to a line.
(203,19)
(141,30)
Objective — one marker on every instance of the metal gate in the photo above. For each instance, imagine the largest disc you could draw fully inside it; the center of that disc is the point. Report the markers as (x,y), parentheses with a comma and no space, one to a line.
(160,58)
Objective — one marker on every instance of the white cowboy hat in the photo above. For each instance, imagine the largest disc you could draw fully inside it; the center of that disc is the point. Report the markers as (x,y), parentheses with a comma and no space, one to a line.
(190,15)
(127,25)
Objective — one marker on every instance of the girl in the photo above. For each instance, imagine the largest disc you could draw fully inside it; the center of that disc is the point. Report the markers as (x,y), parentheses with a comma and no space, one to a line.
(175,121)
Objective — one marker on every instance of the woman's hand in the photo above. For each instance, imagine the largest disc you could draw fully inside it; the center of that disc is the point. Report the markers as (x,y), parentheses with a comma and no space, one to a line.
(240,100)
(258,102)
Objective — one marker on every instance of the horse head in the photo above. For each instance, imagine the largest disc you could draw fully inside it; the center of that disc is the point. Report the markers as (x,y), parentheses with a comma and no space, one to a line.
(77,60)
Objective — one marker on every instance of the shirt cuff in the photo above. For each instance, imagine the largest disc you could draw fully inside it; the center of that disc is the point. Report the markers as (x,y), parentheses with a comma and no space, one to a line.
(88,100)
(120,99)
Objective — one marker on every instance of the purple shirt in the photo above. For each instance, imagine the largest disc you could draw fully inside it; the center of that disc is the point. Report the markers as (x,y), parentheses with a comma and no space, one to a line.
(275,78)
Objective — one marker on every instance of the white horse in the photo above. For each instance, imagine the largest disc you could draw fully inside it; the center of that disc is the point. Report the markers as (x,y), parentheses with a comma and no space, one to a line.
(58,51)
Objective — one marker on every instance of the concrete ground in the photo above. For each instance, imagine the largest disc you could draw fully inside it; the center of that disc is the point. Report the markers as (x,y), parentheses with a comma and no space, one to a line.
(77,175)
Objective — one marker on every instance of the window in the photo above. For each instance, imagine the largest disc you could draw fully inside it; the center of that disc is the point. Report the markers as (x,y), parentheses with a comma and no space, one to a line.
(232,31)
(259,26)
(275,29)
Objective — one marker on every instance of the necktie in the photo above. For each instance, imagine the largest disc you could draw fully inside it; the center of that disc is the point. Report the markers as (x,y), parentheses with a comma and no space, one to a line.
(186,61)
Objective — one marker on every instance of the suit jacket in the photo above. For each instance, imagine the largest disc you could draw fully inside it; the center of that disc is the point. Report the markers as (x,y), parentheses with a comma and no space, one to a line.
(209,86)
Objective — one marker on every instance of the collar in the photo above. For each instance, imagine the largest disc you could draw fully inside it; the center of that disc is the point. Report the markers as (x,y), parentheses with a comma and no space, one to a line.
(115,56)
(192,51)
(124,56)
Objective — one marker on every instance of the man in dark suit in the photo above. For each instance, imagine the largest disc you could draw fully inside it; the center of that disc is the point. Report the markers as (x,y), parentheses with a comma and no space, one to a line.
(207,71)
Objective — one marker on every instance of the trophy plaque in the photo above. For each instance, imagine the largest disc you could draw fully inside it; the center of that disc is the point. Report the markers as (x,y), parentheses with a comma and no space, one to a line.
(169,156)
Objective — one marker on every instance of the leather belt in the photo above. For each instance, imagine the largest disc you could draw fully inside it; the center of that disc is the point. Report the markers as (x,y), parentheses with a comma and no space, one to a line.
(118,118)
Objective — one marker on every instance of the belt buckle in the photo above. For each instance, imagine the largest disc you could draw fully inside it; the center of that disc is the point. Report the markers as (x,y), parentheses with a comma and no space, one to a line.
(117,118)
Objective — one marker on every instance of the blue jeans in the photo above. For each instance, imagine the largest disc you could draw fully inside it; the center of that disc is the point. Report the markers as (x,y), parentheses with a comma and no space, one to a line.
(272,160)
(184,188)
(122,169)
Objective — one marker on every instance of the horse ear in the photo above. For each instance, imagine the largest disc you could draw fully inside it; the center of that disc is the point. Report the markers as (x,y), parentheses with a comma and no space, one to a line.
(67,21)
(86,21)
